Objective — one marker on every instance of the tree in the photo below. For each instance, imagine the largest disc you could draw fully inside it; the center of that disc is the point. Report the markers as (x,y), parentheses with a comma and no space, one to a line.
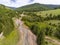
(57,33)
(49,31)
(41,37)
(40,33)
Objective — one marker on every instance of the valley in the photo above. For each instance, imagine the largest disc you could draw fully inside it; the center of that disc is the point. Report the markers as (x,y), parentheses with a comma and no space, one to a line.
(35,24)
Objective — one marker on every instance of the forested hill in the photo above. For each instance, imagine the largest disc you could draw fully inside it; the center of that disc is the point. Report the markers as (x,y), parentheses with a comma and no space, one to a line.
(33,7)
(37,7)
(52,6)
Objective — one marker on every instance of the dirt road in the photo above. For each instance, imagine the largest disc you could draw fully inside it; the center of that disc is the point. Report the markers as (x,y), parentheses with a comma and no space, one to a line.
(26,36)
(52,40)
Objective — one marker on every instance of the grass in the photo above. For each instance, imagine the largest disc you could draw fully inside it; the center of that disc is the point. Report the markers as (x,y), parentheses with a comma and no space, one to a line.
(11,39)
(53,12)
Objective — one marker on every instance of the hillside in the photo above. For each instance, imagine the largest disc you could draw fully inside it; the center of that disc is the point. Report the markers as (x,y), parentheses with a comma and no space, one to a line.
(37,7)
(9,33)
(46,13)
(33,7)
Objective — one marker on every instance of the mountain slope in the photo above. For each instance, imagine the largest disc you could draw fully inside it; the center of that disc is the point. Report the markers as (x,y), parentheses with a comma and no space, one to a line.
(37,7)
(33,7)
